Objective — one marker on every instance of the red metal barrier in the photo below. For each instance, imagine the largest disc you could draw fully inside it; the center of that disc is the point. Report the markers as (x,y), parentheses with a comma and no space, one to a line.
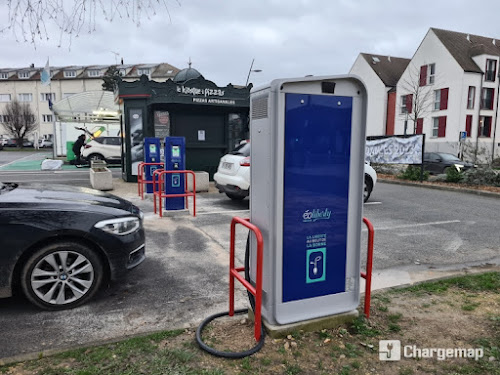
(159,189)
(235,273)
(369,264)
(141,181)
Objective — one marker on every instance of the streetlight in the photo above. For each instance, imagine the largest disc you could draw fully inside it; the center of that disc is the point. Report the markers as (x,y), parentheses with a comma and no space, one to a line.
(252,70)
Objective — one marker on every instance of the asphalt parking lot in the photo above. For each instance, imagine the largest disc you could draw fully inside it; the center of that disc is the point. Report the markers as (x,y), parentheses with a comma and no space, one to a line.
(184,277)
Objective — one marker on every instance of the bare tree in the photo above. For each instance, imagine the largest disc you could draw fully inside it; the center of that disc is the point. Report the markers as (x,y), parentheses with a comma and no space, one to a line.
(419,99)
(19,121)
(29,20)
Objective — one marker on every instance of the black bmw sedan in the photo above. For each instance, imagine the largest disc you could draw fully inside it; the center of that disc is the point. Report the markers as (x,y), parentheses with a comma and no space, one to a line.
(59,244)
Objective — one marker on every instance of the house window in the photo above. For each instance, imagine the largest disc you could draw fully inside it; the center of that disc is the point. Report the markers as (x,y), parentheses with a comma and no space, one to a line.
(94,73)
(4,75)
(439,127)
(487,98)
(491,70)
(4,98)
(25,97)
(406,103)
(70,73)
(432,72)
(123,72)
(437,99)
(47,118)
(420,126)
(484,126)
(140,72)
(24,75)
(170,71)
(471,97)
(46,96)
(468,125)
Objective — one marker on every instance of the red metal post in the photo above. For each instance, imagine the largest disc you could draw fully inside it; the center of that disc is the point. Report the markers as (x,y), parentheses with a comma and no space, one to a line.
(233,273)
(369,267)
(160,192)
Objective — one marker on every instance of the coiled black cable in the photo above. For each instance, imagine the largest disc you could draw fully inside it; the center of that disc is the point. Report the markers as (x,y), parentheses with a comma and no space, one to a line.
(233,355)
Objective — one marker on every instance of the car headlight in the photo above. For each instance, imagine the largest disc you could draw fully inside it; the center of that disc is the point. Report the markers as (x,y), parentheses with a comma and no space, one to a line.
(120,226)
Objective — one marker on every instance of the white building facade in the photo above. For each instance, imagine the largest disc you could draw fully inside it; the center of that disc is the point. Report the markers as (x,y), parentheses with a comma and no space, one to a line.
(380,75)
(24,84)
(451,86)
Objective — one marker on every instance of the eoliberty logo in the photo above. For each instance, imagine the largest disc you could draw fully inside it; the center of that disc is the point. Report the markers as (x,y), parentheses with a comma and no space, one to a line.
(316,214)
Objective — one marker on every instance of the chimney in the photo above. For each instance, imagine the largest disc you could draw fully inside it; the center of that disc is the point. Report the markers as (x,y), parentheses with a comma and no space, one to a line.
(122,60)
(32,65)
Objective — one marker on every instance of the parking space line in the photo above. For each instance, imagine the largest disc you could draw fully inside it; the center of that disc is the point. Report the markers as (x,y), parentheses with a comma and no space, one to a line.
(417,225)
(371,203)
(220,212)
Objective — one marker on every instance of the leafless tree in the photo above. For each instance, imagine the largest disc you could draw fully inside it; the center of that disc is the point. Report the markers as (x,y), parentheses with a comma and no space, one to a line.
(19,121)
(29,20)
(421,96)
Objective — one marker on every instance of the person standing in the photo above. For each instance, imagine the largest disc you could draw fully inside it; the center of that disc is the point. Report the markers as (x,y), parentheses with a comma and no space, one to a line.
(77,149)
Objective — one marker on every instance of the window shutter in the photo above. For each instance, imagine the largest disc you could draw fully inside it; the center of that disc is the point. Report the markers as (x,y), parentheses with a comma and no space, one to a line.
(409,102)
(468,125)
(488,128)
(423,75)
(444,99)
(420,126)
(442,127)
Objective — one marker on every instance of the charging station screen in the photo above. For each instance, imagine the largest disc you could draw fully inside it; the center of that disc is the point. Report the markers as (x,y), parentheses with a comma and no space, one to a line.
(316,194)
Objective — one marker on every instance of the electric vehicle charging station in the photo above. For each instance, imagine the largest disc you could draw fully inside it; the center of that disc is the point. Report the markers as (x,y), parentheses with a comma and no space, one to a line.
(308,144)
(175,159)
(152,151)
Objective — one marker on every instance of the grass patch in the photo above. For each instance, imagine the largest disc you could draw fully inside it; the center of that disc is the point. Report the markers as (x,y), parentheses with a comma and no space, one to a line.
(360,327)
(470,306)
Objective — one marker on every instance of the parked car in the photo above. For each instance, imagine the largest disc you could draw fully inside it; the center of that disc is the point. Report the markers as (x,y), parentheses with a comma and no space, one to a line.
(233,174)
(439,162)
(61,243)
(4,141)
(45,143)
(103,148)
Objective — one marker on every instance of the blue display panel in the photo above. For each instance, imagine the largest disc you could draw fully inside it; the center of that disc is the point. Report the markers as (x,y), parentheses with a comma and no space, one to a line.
(151,155)
(175,159)
(317,152)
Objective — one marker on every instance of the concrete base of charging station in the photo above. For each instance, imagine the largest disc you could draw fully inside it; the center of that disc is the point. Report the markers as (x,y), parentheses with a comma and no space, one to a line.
(202,181)
(325,322)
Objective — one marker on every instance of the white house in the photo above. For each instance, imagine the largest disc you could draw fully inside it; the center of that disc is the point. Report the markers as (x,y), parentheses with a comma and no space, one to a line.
(380,75)
(451,85)
(24,85)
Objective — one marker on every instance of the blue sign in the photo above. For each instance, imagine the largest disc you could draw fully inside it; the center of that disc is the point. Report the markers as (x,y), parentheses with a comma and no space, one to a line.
(463,135)
(315,195)
(175,159)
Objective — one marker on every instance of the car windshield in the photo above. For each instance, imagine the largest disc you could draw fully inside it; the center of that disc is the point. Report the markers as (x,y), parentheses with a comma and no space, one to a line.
(243,149)
(449,157)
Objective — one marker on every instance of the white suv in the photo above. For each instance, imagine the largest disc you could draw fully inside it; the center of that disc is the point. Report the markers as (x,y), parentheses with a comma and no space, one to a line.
(233,174)
(103,148)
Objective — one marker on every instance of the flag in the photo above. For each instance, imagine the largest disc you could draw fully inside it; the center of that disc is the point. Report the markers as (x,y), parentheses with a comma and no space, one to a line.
(45,76)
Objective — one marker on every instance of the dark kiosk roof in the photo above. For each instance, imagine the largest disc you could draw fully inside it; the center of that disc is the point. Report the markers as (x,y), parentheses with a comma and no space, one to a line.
(186,75)
(463,47)
(388,68)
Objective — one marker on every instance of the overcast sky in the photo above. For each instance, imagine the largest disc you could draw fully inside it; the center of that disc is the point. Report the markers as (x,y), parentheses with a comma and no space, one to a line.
(287,38)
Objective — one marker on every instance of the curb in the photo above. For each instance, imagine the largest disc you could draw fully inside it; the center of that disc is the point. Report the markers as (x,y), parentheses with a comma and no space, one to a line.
(439,187)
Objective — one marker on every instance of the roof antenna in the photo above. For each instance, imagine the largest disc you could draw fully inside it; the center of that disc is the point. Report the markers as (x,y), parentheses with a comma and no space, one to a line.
(189,62)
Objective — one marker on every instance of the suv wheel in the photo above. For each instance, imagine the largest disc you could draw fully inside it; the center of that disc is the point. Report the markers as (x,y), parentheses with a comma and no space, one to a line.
(368,187)
(61,276)
(95,157)
(235,197)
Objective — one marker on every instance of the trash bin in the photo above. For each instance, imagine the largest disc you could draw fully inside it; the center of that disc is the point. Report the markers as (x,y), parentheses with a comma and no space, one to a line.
(70,155)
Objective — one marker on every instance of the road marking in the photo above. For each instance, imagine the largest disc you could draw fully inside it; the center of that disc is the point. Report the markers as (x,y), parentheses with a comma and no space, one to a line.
(221,212)
(15,161)
(370,203)
(418,225)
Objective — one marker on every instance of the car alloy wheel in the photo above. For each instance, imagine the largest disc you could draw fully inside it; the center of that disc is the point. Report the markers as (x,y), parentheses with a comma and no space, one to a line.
(368,187)
(61,276)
